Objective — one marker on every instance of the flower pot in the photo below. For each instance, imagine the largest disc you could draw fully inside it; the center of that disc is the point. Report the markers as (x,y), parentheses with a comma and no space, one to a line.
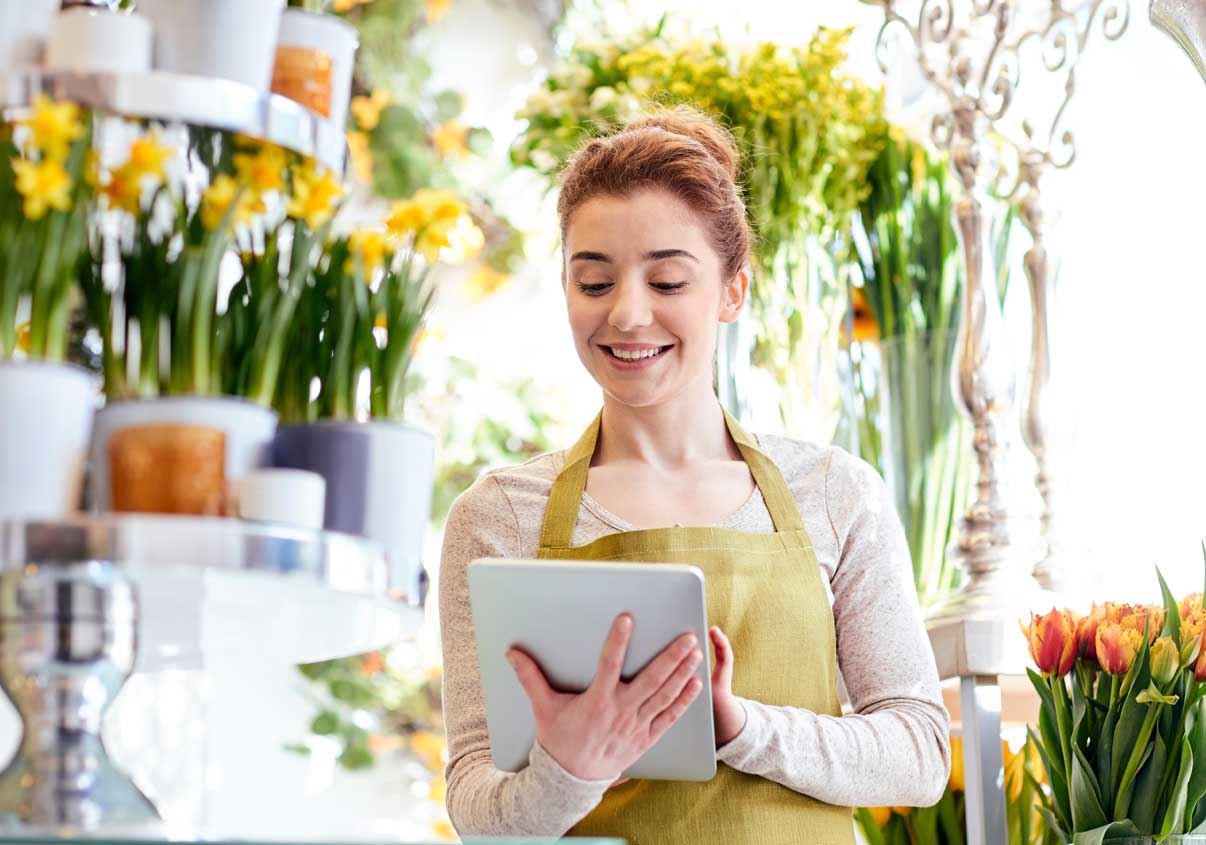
(176,469)
(294,497)
(48,410)
(379,481)
(24,25)
(315,54)
(231,39)
(87,40)
(248,429)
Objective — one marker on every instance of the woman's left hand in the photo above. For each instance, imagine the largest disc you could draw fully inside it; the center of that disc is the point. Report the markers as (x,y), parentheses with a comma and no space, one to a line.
(727,713)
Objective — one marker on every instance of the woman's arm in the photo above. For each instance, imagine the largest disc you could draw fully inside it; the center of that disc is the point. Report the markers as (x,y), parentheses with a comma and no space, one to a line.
(543,799)
(894,749)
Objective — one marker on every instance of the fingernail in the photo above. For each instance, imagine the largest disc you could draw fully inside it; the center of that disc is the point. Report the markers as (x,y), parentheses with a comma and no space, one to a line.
(625,622)
(510,658)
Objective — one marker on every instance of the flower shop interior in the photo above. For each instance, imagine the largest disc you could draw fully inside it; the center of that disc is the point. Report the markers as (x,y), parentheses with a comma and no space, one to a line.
(279,281)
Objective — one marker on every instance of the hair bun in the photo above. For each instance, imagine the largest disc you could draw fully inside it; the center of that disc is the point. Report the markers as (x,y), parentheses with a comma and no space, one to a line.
(694,124)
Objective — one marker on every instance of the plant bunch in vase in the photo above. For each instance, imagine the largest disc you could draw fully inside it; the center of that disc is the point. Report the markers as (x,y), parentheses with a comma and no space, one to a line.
(808,133)
(44,203)
(1122,725)
(900,414)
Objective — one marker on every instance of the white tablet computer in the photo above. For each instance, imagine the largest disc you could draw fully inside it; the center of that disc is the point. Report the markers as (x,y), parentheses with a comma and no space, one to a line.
(560,612)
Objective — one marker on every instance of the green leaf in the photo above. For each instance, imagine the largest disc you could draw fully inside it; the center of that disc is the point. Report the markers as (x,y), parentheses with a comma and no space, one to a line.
(1147,787)
(1174,815)
(1053,824)
(866,822)
(356,757)
(1197,778)
(1059,783)
(1132,714)
(1152,695)
(1172,619)
(325,723)
(925,824)
(1113,830)
(1087,810)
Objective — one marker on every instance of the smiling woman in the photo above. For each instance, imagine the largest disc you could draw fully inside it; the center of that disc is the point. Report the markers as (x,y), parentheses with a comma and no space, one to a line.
(805,562)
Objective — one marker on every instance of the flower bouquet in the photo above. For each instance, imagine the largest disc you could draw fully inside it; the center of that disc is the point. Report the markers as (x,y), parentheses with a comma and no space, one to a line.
(1122,724)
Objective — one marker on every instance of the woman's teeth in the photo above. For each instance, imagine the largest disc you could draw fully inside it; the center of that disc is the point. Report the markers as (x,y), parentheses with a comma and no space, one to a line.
(636,354)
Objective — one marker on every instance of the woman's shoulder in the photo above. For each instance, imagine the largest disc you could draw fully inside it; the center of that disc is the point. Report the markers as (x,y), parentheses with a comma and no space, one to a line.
(516,493)
(827,466)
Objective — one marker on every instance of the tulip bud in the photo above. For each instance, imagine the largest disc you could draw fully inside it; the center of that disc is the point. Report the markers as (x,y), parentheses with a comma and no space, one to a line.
(1166,660)
(880,815)
(1052,641)
(1116,647)
(956,781)
(1086,634)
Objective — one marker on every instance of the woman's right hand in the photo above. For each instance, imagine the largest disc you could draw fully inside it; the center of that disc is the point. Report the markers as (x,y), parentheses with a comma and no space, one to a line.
(597,734)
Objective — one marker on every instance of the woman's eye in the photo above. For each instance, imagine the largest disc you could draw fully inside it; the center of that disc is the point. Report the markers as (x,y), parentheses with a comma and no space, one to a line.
(593,288)
(669,287)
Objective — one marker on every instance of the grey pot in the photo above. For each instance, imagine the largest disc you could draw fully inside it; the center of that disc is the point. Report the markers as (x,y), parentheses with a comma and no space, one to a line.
(379,483)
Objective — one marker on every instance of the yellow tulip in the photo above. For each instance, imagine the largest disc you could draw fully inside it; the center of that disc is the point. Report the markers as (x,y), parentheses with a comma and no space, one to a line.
(902,811)
(54,126)
(44,186)
(1052,641)
(1166,660)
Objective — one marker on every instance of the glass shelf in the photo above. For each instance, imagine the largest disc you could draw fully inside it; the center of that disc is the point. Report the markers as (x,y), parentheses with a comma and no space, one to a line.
(181,98)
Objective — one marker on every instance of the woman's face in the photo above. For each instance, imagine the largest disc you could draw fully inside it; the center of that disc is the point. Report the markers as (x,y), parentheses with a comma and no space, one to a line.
(644,291)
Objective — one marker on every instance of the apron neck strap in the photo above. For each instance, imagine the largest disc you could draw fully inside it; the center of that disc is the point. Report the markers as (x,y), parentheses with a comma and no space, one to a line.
(561,513)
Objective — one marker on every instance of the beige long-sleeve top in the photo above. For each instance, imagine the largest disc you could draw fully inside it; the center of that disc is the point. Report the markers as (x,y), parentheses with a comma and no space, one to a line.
(891,750)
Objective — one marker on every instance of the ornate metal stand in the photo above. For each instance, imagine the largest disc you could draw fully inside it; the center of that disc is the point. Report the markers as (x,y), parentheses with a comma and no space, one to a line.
(970,53)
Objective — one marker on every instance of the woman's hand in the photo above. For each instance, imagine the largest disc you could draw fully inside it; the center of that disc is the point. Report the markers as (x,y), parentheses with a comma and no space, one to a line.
(727,713)
(597,734)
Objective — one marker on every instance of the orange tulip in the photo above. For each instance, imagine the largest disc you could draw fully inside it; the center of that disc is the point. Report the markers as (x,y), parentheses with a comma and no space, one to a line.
(956,781)
(1189,604)
(1052,640)
(880,815)
(1086,633)
(1117,647)
(1135,616)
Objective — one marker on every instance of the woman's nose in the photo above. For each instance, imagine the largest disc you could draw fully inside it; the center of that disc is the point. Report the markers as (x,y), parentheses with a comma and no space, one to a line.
(630,309)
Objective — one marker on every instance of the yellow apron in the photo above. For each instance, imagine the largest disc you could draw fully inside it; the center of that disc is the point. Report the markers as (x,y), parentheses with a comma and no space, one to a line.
(765,592)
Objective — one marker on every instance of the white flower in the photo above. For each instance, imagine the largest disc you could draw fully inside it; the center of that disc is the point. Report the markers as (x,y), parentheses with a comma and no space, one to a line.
(544,161)
(573,76)
(640,84)
(602,98)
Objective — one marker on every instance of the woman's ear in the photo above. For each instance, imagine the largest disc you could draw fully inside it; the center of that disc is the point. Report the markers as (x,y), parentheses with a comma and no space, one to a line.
(733,296)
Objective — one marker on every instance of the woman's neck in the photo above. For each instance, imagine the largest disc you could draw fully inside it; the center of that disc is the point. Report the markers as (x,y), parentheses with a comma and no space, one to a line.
(667,436)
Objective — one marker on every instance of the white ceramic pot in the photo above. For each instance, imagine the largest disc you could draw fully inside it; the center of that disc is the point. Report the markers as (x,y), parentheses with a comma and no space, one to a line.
(333,37)
(249,429)
(231,39)
(379,484)
(99,41)
(293,497)
(24,25)
(44,428)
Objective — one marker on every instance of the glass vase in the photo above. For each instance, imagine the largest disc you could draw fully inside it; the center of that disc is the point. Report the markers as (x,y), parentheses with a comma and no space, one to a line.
(900,416)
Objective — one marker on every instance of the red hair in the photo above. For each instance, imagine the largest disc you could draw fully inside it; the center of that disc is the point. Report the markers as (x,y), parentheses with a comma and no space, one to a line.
(681,151)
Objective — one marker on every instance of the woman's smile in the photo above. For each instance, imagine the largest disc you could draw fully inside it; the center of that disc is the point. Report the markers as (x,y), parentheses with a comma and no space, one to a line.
(634,356)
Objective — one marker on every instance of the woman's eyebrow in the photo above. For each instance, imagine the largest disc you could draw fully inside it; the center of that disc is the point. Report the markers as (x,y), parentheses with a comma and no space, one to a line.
(656,255)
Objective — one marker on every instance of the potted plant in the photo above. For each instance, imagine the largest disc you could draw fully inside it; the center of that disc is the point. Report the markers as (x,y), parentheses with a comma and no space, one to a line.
(172,355)
(230,39)
(48,403)
(1122,724)
(345,383)
(315,54)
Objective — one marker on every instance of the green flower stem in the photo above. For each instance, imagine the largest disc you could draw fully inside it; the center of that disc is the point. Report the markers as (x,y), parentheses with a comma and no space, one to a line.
(1122,800)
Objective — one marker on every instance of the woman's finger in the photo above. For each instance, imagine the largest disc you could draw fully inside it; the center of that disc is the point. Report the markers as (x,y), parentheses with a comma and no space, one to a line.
(724,655)
(611,660)
(665,695)
(532,680)
(653,676)
(675,711)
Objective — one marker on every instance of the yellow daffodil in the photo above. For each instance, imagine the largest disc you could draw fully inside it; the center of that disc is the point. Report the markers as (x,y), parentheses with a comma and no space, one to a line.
(315,193)
(444,831)
(439,205)
(430,241)
(148,157)
(348,5)
(44,185)
(367,110)
(371,246)
(124,190)
(263,170)
(362,157)
(92,175)
(436,9)
(439,790)
(53,126)
(23,334)
(451,139)
(430,748)
(405,217)
(216,201)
